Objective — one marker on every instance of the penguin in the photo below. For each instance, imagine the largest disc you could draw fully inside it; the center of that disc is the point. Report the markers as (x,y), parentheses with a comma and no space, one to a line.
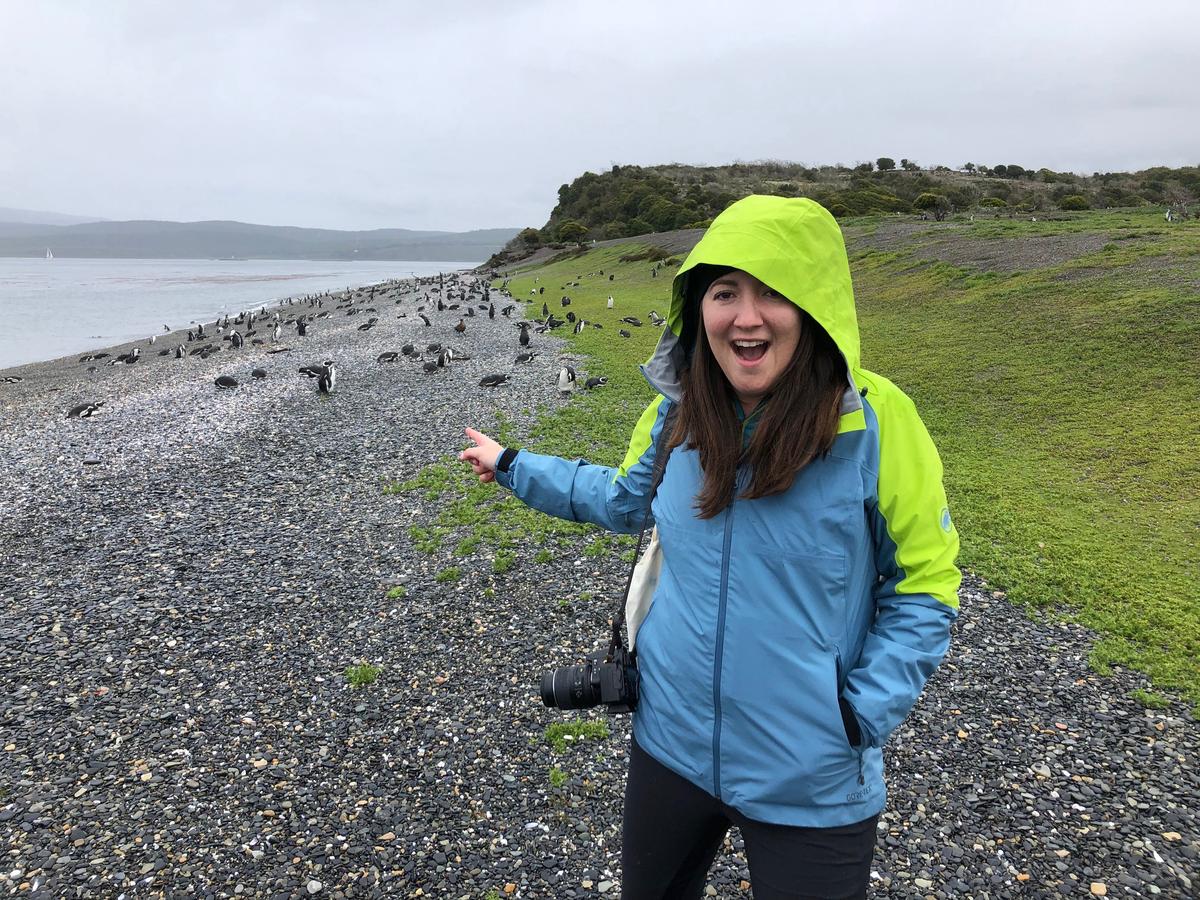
(424,318)
(545,310)
(85,410)
(236,340)
(566,380)
(153,338)
(596,382)
(657,320)
(166,328)
(633,320)
(623,333)
(301,328)
(276,332)
(524,338)
(313,370)
(327,380)
(430,367)
(491,310)
(570,317)
(389,356)
(493,380)
(433,348)
(610,301)
(258,373)
(225,381)
(408,350)
(525,357)
(13,379)
(566,301)
(580,325)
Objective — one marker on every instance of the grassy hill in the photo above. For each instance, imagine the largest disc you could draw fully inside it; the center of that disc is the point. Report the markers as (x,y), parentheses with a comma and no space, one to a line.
(1054,362)
(628,201)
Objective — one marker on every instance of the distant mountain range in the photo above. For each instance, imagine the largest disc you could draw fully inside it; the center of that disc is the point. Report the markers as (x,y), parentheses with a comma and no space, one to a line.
(41,217)
(237,240)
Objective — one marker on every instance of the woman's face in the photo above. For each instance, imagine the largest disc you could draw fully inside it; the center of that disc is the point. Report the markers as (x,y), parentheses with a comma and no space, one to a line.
(753,332)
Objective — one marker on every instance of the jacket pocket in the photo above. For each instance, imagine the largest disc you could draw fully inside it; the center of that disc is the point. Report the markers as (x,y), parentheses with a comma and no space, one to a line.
(849,719)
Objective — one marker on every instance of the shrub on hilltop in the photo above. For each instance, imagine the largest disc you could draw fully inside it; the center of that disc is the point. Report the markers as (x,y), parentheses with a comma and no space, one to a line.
(627,201)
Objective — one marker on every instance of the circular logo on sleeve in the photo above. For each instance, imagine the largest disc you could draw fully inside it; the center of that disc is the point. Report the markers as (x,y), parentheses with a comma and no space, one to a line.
(946,519)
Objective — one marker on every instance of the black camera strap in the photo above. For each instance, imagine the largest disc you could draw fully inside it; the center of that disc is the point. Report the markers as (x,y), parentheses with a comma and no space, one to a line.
(660,466)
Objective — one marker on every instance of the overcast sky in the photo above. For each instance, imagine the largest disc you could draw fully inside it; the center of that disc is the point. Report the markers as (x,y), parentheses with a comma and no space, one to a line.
(460,114)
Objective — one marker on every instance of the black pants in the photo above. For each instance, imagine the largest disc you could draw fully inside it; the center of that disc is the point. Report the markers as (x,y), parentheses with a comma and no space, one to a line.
(673,830)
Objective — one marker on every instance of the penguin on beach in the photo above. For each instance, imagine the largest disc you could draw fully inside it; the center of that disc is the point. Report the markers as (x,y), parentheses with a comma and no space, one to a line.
(85,410)
(566,380)
(225,381)
(327,380)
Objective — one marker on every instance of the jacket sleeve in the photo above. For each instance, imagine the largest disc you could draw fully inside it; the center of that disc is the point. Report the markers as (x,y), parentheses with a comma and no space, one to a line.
(613,498)
(916,592)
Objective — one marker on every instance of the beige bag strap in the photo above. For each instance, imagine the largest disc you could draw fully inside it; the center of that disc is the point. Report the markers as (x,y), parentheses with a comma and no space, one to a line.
(660,466)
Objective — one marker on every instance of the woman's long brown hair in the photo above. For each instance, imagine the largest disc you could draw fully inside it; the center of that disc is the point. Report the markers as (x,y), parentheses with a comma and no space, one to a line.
(798,422)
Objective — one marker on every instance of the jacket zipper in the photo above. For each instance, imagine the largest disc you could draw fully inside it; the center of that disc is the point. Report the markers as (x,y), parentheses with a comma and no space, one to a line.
(738,486)
(858,751)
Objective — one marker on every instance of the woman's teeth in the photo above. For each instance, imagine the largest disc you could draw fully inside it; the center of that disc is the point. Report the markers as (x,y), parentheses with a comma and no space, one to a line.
(749,350)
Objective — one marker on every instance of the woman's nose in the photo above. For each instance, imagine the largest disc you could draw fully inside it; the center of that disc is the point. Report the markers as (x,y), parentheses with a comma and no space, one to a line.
(748,313)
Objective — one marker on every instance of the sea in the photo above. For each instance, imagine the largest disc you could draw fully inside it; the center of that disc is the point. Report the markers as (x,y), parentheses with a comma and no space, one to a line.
(56,307)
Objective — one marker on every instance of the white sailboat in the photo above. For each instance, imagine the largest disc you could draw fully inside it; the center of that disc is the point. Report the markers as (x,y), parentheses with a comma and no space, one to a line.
(49,255)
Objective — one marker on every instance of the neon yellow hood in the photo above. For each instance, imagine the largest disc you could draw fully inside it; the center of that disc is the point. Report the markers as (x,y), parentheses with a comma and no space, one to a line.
(793,245)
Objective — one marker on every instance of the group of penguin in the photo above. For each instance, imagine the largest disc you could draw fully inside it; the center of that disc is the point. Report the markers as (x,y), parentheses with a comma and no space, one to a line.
(449,293)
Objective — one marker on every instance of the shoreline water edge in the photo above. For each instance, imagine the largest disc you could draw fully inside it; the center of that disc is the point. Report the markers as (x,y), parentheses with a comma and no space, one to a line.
(77,306)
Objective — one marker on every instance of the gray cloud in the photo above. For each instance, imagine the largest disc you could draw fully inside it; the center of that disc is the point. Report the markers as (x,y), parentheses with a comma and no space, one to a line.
(464,114)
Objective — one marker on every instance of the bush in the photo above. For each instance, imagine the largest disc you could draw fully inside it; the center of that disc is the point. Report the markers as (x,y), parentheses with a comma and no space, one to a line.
(1074,202)
(992,202)
(885,164)
(572,231)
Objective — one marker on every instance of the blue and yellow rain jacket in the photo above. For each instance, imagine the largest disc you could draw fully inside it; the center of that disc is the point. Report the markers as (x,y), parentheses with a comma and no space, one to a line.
(781,614)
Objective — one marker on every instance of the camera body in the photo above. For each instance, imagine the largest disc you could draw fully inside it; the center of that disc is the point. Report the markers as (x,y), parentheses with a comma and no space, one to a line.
(615,684)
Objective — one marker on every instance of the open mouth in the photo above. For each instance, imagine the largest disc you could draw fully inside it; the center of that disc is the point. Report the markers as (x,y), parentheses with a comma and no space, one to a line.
(750,351)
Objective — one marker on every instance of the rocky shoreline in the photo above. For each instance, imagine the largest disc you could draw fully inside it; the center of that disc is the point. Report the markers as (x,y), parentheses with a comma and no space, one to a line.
(177,615)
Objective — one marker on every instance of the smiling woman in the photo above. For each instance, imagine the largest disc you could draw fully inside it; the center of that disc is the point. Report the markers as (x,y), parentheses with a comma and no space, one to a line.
(807,575)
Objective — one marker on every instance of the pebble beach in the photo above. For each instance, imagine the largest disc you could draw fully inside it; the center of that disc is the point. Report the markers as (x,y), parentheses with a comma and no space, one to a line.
(187,575)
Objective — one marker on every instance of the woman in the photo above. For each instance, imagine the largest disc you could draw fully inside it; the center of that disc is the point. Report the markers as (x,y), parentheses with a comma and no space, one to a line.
(808,579)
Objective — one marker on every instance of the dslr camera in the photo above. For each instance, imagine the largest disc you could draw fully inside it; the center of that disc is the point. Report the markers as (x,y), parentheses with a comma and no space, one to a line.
(615,684)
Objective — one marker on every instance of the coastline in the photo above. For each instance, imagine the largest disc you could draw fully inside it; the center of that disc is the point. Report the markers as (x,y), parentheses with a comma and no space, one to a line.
(217,292)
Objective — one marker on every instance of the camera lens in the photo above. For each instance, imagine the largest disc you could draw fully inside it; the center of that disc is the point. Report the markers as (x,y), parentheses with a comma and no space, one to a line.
(570,687)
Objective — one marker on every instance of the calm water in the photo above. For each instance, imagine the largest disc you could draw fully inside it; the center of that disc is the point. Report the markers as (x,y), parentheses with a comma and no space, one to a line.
(52,308)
